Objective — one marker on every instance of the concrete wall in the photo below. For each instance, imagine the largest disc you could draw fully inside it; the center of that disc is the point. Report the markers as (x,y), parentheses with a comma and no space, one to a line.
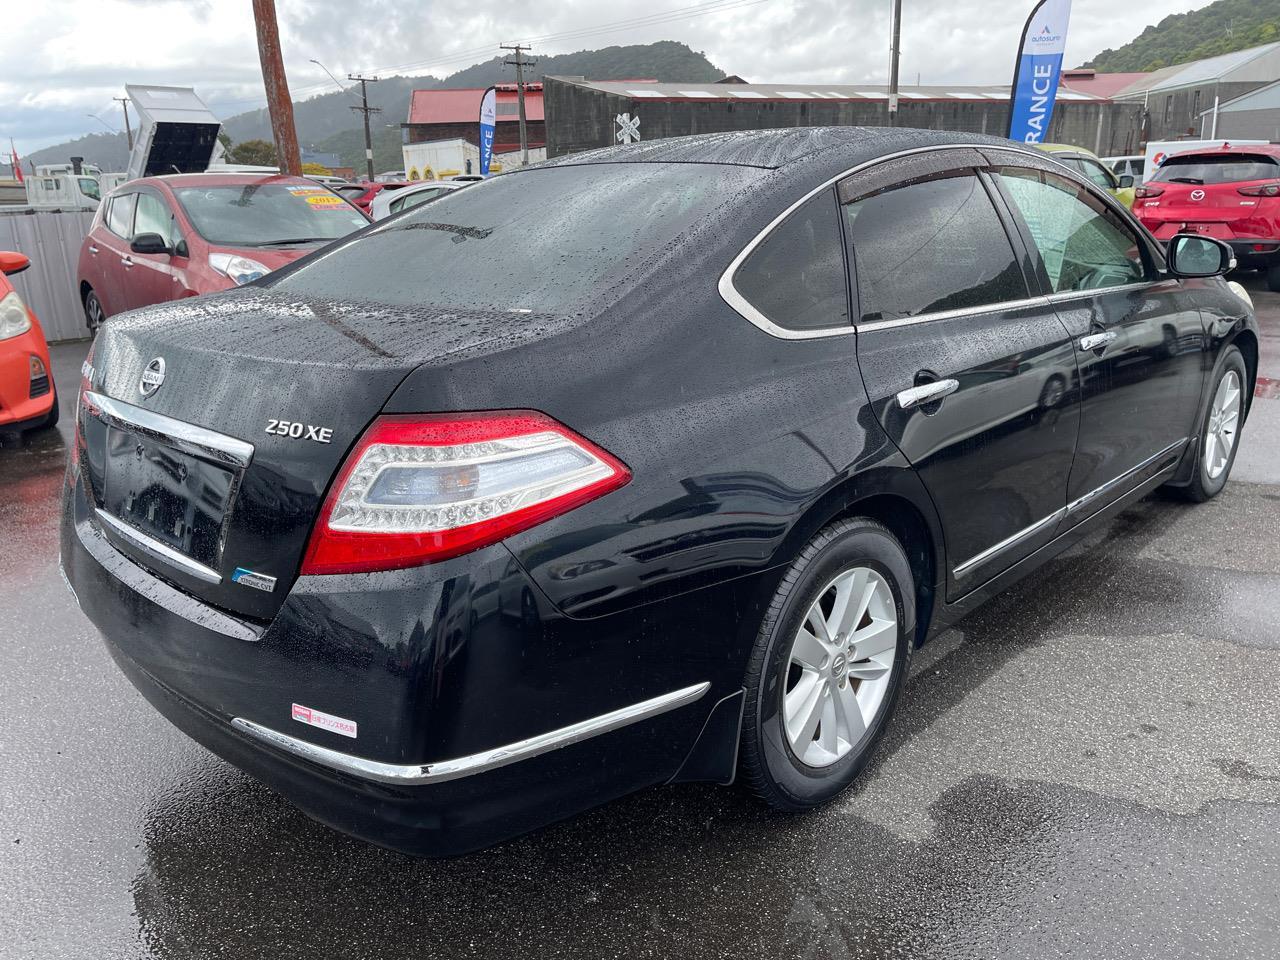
(52,241)
(581,118)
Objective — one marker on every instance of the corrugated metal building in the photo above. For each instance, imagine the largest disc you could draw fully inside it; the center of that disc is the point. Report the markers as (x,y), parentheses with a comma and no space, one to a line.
(1180,99)
(1255,116)
(584,114)
(455,115)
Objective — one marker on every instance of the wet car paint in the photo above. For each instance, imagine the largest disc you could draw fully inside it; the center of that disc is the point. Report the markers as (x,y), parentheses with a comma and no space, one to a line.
(1086,766)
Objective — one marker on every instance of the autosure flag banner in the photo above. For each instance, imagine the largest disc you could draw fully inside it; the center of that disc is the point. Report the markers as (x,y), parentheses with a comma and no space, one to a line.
(488,120)
(1035,80)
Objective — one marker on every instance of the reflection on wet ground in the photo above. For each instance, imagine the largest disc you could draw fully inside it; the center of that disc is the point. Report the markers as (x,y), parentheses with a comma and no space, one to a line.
(1089,766)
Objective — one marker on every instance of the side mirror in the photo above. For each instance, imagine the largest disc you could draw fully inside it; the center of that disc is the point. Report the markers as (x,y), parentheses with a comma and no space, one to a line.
(1191,255)
(12,262)
(149,243)
(1126,181)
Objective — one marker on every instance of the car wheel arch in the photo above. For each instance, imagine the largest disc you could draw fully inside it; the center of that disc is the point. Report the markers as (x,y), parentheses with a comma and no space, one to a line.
(896,498)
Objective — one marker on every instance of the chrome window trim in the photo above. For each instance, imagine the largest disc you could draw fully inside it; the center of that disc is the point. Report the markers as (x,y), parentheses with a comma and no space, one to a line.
(416,774)
(990,553)
(161,551)
(1003,305)
(1065,296)
(743,307)
(187,437)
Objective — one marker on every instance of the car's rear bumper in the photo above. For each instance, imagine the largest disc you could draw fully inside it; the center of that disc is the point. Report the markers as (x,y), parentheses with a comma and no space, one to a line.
(494,718)
(1256,254)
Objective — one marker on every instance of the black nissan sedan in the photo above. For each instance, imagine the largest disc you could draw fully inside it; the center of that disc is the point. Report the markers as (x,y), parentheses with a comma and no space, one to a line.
(645,465)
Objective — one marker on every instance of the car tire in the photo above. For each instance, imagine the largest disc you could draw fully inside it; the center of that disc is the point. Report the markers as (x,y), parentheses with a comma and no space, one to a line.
(51,420)
(797,766)
(94,315)
(1273,278)
(1212,468)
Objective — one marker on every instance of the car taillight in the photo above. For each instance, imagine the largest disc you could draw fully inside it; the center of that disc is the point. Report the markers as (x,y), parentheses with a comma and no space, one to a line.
(1261,190)
(1145,191)
(418,489)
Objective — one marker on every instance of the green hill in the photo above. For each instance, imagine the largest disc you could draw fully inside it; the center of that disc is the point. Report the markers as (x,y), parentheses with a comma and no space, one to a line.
(1222,27)
(327,123)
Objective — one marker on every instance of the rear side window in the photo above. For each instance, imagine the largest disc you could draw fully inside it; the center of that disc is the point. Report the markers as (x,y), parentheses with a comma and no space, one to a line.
(1082,242)
(930,246)
(543,240)
(120,214)
(1206,168)
(795,277)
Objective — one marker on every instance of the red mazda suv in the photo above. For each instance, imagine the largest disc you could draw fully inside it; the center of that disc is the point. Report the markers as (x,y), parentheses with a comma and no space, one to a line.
(1229,193)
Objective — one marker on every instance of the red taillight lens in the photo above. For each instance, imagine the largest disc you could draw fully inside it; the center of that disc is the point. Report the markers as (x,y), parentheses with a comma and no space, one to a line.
(1261,190)
(1145,191)
(418,489)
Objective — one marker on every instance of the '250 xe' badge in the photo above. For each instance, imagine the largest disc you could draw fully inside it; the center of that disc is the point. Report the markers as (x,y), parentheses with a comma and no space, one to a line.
(296,431)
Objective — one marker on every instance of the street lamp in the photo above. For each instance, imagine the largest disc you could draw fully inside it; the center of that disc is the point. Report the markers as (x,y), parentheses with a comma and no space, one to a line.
(331,76)
(103,122)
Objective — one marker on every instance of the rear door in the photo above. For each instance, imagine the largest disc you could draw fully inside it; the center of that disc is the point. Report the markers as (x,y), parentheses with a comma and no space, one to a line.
(1139,337)
(113,256)
(969,369)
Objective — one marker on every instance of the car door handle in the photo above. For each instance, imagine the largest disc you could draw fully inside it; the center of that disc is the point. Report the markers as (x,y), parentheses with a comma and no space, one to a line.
(926,393)
(1096,341)
(93,249)
(127,261)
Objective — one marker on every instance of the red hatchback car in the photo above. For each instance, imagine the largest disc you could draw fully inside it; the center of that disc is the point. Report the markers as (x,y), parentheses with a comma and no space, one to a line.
(1229,193)
(165,238)
(28,399)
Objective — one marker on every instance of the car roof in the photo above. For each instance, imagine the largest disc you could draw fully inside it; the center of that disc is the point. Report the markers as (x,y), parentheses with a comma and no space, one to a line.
(1271,149)
(175,180)
(817,148)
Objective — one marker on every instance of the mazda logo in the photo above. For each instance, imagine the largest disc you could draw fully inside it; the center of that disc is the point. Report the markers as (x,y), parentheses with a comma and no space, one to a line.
(1197,194)
(152,377)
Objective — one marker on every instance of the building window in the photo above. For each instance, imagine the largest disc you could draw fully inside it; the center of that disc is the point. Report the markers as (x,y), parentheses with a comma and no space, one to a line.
(1195,106)
(1168,107)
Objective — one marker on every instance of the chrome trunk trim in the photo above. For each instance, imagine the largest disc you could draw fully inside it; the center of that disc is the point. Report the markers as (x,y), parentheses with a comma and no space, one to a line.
(184,436)
(155,548)
(416,774)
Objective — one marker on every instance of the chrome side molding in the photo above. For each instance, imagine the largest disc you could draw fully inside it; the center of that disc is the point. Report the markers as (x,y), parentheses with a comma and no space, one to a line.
(991,552)
(416,774)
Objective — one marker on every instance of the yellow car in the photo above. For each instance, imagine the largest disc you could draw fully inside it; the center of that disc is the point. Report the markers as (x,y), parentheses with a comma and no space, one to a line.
(1086,163)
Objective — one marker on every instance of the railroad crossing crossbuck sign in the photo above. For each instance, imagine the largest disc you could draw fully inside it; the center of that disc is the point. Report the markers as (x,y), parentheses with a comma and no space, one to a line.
(628,128)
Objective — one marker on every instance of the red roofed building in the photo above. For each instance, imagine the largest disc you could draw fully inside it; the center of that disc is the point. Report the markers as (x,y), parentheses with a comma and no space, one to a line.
(455,115)
(1104,85)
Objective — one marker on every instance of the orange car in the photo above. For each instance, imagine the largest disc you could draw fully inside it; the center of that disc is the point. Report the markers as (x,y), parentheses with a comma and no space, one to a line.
(28,399)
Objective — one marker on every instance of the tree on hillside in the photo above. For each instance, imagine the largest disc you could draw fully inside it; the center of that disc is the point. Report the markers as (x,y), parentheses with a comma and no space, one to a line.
(1222,27)
(258,153)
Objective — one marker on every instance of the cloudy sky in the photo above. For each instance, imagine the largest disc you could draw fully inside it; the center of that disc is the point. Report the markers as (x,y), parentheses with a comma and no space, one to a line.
(60,61)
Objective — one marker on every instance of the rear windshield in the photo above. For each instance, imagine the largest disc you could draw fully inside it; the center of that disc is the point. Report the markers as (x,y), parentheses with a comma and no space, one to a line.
(264,214)
(539,241)
(1205,168)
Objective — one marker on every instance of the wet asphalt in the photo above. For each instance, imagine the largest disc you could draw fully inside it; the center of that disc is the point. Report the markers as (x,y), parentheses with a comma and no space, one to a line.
(1089,766)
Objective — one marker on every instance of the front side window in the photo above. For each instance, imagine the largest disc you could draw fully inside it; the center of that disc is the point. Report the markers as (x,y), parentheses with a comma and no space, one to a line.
(120,215)
(266,214)
(1082,242)
(153,217)
(89,187)
(796,277)
(1096,173)
(930,246)
(414,199)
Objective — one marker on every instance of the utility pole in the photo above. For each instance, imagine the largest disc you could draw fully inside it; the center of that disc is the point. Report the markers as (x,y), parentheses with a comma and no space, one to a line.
(124,102)
(893,62)
(520,63)
(279,106)
(366,110)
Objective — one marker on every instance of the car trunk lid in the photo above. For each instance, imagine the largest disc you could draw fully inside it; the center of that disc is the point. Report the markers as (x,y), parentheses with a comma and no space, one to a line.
(211,429)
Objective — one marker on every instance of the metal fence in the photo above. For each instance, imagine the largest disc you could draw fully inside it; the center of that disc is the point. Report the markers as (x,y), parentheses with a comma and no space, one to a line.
(52,240)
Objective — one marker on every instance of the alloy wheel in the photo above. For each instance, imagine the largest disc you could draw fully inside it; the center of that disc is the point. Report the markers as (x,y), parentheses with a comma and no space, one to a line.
(1223,426)
(839,667)
(93,312)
